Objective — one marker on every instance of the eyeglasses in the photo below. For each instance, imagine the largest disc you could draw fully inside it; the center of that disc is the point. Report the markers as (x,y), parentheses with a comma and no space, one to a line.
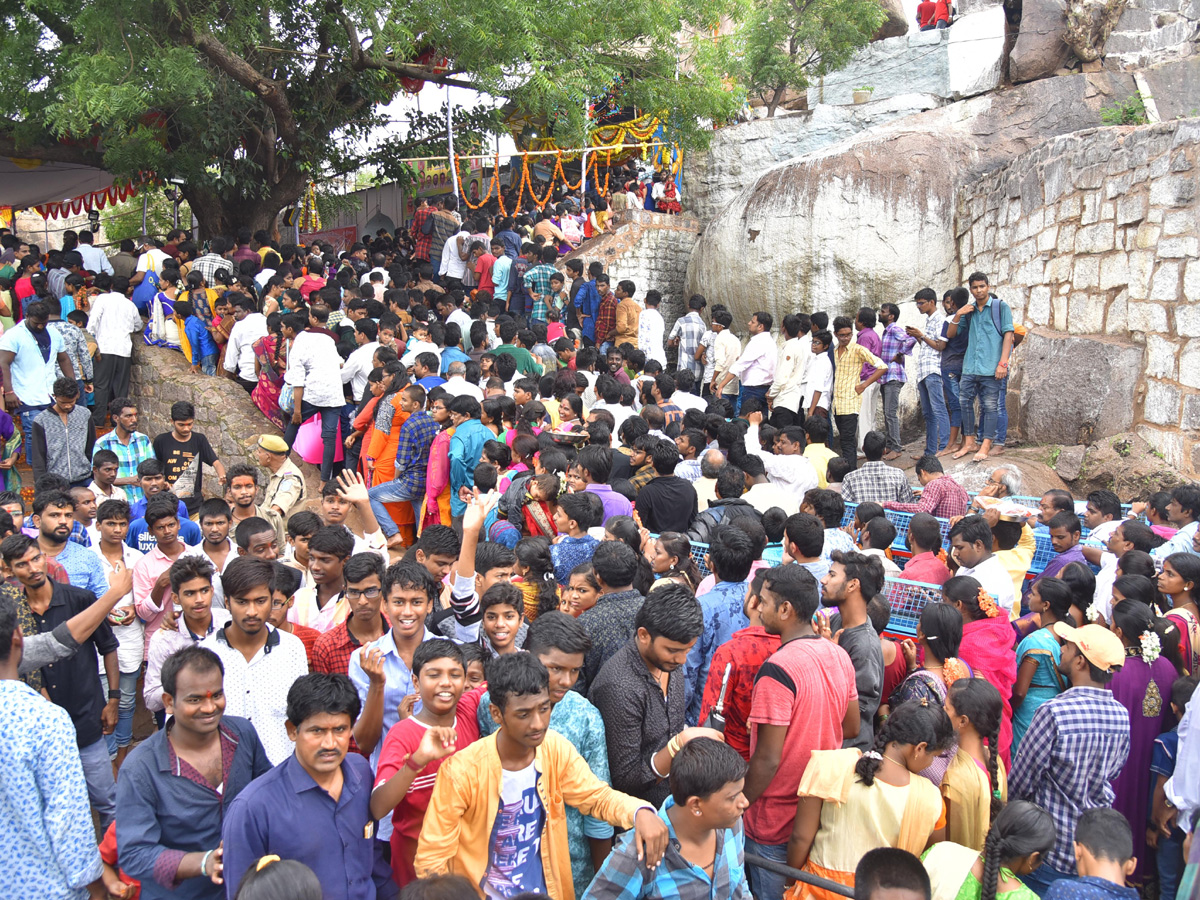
(370,593)
(278,604)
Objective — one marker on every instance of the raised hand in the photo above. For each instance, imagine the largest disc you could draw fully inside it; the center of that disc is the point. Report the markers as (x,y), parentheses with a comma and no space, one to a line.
(352,487)
(372,665)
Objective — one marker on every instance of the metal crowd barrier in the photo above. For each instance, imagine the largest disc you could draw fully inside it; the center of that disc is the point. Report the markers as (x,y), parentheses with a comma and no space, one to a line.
(787,871)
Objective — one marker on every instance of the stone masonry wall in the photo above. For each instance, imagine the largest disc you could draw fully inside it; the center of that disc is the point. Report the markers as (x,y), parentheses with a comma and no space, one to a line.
(649,249)
(1095,237)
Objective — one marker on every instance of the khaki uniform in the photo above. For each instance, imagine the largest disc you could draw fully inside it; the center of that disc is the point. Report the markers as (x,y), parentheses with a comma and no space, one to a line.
(285,488)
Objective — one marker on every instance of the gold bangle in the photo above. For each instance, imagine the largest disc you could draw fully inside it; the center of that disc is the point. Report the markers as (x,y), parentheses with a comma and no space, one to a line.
(673,746)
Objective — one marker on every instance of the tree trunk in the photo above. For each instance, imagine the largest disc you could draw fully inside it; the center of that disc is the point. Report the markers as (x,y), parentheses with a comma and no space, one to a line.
(219,215)
(776,97)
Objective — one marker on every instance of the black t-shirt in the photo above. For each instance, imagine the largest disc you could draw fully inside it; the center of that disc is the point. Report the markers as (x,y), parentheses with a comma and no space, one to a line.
(183,465)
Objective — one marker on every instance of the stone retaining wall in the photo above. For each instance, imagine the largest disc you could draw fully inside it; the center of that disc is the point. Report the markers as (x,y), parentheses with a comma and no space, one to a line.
(1095,237)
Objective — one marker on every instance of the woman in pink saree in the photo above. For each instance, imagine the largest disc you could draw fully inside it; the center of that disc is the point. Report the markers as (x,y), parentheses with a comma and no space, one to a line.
(437,478)
(987,645)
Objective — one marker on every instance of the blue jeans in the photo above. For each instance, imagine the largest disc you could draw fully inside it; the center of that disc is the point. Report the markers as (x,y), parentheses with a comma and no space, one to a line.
(28,414)
(1040,879)
(1170,863)
(329,432)
(891,414)
(123,735)
(987,389)
(759,391)
(98,773)
(389,492)
(950,382)
(763,884)
(933,408)
(208,364)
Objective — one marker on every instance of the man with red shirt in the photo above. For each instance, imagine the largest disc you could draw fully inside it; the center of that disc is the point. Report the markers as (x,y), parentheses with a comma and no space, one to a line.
(606,317)
(416,746)
(925,540)
(420,238)
(744,654)
(925,15)
(805,699)
(363,579)
(941,495)
(483,262)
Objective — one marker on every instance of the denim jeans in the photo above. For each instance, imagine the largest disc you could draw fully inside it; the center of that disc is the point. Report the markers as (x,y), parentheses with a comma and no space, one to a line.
(390,492)
(987,389)
(891,413)
(123,735)
(329,432)
(1040,879)
(208,364)
(102,789)
(28,414)
(1169,857)
(950,383)
(933,408)
(763,884)
(759,391)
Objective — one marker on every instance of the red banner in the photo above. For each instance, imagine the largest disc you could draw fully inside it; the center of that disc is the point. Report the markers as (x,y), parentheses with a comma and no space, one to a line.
(341,238)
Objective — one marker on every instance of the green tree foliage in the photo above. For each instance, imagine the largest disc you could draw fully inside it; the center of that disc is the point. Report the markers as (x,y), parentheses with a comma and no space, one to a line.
(248,101)
(790,43)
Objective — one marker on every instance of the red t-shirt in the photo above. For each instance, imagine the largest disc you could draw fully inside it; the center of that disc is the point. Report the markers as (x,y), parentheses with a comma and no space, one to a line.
(806,686)
(483,272)
(747,650)
(925,13)
(108,853)
(941,12)
(404,737)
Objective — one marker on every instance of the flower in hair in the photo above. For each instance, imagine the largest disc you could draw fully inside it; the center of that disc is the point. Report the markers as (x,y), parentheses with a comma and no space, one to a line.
(1151,647)
(873,754)
(1093,612)
(988,604)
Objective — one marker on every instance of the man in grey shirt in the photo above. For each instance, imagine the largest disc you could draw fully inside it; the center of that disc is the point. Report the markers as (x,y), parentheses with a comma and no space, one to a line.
(852,580)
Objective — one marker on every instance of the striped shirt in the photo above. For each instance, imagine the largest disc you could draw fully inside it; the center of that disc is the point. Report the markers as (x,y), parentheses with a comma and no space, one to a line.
(846,377)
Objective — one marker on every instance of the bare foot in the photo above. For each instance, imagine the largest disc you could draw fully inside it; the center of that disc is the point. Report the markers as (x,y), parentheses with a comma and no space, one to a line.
(998,450)
(950,450)
(395,542)
(968,447)
(980,456)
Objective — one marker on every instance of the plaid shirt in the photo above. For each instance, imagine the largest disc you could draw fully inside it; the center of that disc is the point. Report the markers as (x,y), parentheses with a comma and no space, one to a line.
(895,343)
(423,241)
(332,651)
(209,264)
(128,457)
(943,497)
(624,877)
(877,482)
(606,319)
(929,361)
(1076,744)
(643,477)
(846,377)
(537,281)
(412,451)
(689,329)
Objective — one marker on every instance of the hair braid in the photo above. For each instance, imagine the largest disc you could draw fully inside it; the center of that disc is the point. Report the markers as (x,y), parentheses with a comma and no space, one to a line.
(868,764)
(993,742)
(992,848)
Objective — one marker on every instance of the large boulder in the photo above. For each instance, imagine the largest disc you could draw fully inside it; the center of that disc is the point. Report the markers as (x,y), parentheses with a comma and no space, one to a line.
(1069,389)
(896,22)
(872,218)
(1039,49)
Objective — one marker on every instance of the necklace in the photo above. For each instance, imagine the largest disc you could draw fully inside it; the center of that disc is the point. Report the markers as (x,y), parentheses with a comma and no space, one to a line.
(896,761)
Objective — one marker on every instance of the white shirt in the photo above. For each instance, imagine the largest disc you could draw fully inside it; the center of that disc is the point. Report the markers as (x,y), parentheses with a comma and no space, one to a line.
(788,387)
(152,260)
(765,495)
(239,352)
(457,386)
(162,645)
(818,377)
(650,335)
(315,365)
(453,265)
(131,638)
(263,277)
(218,600)
(257,689)
(419,347)
(686,400)
(725,353)
(367,277)
(112,321)
(793,473)
(357,367)
(117,493)
(756,366)
(94,259)
(995,579)
(463,321)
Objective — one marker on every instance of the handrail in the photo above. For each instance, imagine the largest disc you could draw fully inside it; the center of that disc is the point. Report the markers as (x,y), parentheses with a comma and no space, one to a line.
(798,875)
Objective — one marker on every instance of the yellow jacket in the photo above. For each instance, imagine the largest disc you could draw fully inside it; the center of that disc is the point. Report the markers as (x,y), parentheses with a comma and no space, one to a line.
(456,834)
(1017,562)
(629,314)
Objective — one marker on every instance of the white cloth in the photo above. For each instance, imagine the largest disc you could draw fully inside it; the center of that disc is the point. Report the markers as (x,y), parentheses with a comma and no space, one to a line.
(131,638)
(357,367)
(794,473)
(756,366)
(686,400)
(117,493)
(417,348)
(239,351)
(1183,788)
(725,353)
(995,579)
(818,377)
(112,322)
(454,266)
(162,645)
(788,387)
(152,260)
(650,335)
(367,277)
(94,259)
(463,321)
(457,386)
(314,364)
(257,689)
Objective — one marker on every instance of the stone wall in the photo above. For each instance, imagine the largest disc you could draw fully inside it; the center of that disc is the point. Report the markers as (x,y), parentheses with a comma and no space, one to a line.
(224,412)
(1095,236)
(649,249)
(961,61)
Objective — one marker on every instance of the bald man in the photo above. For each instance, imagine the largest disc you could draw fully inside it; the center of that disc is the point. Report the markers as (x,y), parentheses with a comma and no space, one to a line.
(706,485)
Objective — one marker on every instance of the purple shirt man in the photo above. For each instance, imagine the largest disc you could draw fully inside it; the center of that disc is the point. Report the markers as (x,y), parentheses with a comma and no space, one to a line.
(614,503)
(871,340)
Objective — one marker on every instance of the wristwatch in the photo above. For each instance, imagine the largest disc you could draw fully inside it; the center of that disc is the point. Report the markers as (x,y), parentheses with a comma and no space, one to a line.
(114,694)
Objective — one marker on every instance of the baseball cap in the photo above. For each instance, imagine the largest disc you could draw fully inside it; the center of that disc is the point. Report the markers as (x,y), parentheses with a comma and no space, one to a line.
(272,443)
(1099,646)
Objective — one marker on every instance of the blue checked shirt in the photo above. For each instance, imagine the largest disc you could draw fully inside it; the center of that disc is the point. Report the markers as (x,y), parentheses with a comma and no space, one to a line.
(412,451)
(537,281)
(895,342)
(723,615)
(128,457)
(1076,744)
(689,329)
(624,877)
(929,361)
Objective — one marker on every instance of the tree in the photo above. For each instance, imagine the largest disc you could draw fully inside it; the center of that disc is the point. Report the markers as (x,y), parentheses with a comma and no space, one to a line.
(789,43)
(124,220)
(248,101)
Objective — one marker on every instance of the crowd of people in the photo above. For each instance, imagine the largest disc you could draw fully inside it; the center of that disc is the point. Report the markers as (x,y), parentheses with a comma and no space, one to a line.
(616,618)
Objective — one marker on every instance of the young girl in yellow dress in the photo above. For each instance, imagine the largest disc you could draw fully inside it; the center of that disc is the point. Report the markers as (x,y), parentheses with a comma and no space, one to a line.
(974,786)
(852,802)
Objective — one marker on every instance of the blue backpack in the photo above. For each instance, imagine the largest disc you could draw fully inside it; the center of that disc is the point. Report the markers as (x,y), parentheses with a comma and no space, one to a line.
(144,293)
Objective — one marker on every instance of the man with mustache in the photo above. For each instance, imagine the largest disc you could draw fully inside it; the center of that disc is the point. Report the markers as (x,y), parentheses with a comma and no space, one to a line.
(261,663)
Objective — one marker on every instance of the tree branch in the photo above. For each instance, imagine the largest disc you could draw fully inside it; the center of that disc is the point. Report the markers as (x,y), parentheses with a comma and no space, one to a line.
(59,153)
(60,29)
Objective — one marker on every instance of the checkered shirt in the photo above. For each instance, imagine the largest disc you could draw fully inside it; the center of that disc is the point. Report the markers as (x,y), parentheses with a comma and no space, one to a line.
(929,361)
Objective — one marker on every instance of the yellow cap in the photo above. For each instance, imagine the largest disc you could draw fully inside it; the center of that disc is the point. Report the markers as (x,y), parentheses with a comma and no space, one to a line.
(1100,647)
(272,443)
